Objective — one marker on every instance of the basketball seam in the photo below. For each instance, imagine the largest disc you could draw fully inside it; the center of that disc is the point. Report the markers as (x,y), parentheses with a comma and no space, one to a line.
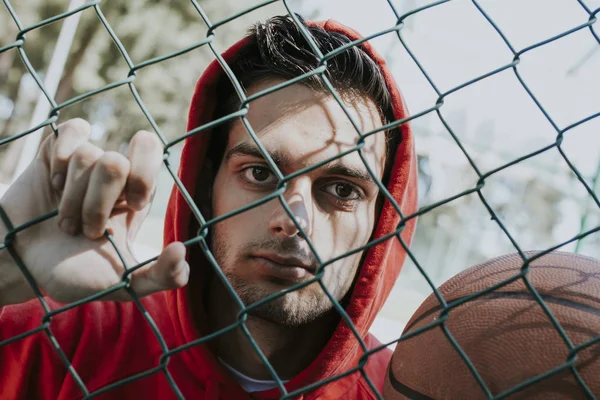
(514,295)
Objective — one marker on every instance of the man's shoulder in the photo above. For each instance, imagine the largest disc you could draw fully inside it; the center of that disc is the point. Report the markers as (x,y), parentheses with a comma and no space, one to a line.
(373,343)
(378,362)
(375,368)
(380,358)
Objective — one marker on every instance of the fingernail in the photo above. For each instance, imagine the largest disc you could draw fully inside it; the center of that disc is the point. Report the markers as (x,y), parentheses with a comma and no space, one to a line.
(184,266)
(58,181)
(68,225)
(187,270)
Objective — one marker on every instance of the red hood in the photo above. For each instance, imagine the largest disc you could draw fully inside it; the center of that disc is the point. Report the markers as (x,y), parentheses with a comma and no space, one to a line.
(381,265)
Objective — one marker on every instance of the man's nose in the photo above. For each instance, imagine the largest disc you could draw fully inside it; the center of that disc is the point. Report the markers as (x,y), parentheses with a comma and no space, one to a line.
(282,225)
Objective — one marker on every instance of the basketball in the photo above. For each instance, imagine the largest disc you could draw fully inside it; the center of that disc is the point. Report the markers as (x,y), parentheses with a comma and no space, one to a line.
(512,344)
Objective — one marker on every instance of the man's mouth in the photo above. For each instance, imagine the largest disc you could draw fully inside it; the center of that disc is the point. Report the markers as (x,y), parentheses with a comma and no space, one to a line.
(284,267)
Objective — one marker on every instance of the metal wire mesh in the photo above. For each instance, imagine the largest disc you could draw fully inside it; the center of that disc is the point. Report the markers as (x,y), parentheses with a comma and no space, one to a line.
(129,81)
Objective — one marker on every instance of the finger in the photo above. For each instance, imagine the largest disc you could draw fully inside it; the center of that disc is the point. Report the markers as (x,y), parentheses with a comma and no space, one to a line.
(170,271)
(107,181)
(145,156)
(71,135)
(77,179)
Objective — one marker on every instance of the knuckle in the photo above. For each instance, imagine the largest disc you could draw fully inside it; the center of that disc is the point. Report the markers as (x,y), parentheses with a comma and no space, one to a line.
(77,126)
(85,155)
(114,165)
(145,140)
(62,155)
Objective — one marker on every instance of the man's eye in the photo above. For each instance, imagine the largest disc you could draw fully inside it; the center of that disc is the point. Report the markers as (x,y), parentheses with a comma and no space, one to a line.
(343,191)
(259,175)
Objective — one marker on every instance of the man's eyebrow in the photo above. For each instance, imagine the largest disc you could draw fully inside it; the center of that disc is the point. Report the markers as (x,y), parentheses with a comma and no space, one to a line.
(282,161)
(250,149)
(349,171)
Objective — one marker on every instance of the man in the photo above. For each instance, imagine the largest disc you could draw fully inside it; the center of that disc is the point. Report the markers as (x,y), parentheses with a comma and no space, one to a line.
(338,207)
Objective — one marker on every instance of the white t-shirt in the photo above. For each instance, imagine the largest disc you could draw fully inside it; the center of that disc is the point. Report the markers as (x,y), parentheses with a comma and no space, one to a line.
(248,384)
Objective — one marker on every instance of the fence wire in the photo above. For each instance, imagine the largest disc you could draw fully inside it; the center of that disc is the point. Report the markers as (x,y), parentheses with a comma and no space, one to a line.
(129,80)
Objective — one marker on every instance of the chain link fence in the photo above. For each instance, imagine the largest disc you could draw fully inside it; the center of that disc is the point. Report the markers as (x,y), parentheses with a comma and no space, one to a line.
(435,109)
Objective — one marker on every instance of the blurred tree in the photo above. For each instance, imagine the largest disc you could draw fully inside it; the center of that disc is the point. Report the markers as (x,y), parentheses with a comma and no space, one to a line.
(146,29)
(13,74)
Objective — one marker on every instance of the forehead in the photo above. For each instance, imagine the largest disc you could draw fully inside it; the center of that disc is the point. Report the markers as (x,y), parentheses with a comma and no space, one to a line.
(310,127)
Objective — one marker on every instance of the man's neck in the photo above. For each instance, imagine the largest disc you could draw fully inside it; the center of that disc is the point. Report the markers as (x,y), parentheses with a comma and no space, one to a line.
(288,349)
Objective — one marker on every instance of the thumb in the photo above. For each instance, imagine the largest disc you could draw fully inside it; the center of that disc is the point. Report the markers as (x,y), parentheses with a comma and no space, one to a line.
(169,271)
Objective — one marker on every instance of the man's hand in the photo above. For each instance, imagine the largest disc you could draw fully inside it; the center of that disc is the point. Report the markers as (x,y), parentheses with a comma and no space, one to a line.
(94,190)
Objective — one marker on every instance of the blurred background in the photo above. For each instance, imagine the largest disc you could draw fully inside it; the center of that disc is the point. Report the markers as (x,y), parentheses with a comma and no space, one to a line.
(539,200)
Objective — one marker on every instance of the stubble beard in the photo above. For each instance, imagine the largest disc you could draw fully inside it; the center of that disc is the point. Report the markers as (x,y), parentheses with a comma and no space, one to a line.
(292,309)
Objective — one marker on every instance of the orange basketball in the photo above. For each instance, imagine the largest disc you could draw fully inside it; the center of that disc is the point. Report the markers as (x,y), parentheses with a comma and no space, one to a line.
(506,335)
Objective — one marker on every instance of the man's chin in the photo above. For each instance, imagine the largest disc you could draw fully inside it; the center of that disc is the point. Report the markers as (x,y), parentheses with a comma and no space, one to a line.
(291,309)
(277,316)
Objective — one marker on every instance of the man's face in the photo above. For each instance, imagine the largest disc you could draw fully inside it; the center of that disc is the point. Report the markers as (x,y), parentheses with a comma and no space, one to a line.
(261,250)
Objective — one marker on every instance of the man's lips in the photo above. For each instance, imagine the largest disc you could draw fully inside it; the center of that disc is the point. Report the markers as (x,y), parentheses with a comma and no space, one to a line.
(284,267)
(286,261)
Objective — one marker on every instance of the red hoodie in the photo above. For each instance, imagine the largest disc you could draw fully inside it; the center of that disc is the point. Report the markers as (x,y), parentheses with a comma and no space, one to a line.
(107,342)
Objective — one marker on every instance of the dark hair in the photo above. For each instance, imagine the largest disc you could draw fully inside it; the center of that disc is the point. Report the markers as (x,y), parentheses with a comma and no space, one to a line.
(278,49)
